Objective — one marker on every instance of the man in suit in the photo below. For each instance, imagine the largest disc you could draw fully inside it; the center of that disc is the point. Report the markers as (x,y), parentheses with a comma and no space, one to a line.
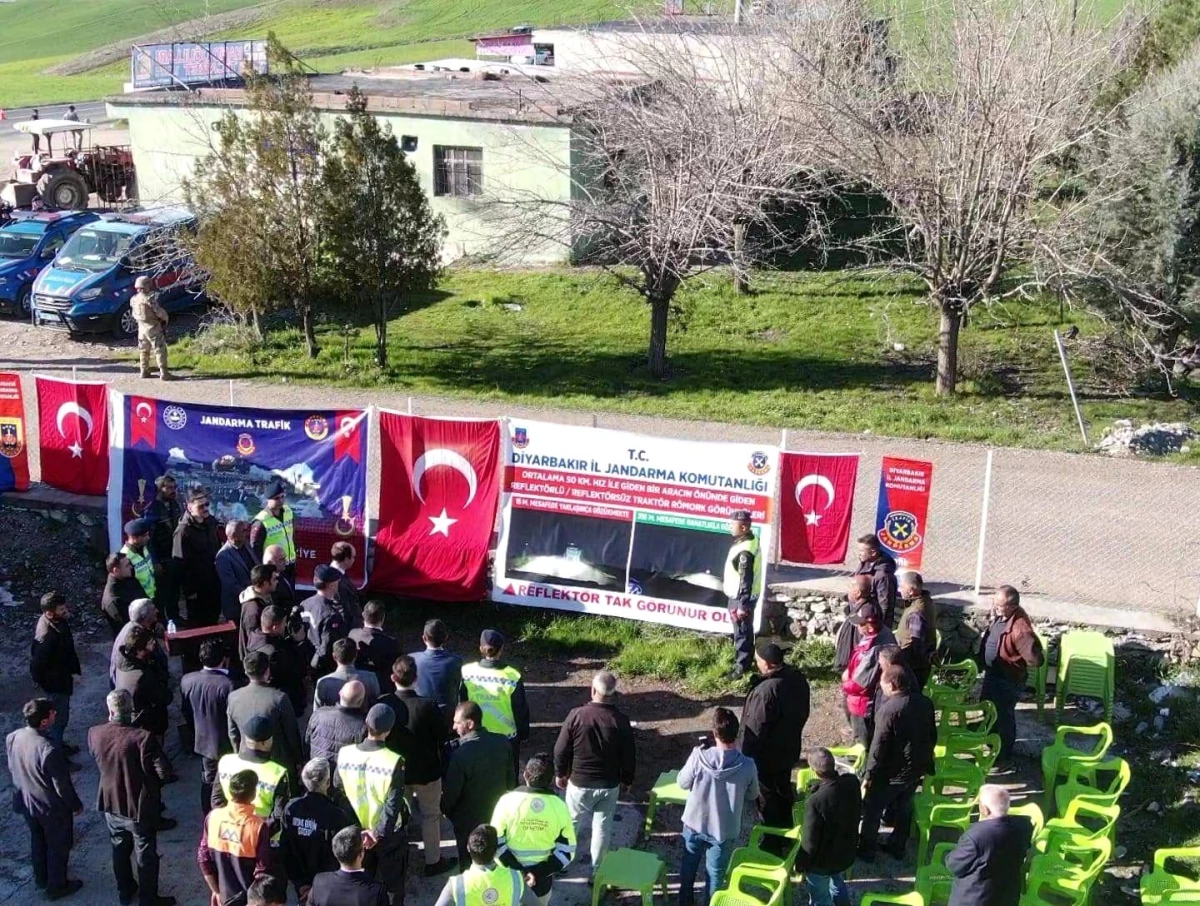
(481,770)
(328,687)
(350,885)
(234,561)
(205,701)
(344,555)
(377,651)
(120,590)
(439,673)
(258,699)
(53,663)
(988,863)
(132,768)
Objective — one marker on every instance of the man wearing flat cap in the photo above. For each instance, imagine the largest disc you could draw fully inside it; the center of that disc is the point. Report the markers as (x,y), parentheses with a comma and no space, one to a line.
(499,691)
(742,582)
(137,550)
(274,524)
(773,720)
(327,619)
(372,777)
(254,754)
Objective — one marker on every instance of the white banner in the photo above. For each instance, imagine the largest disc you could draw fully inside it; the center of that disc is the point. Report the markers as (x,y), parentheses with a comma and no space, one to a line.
(625,525)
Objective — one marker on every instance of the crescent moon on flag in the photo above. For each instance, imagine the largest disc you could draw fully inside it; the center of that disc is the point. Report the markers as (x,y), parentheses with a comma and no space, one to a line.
(73,407)
(440,456)
(819,481)
(138,410)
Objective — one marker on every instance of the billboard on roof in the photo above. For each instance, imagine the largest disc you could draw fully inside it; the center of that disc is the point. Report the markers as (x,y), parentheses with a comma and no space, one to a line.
(164,65)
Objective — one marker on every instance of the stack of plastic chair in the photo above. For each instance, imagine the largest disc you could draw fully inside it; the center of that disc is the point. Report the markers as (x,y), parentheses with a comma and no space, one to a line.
(1058,758)
(1040,673)
(951,683)
(1033,812)
(981,751)
(755,885)
(893,899)
(1086,666)
(852,758)
(753,852)
(1083,821)
(1066,874)
(1160,886)
(1101,783)
(934,880)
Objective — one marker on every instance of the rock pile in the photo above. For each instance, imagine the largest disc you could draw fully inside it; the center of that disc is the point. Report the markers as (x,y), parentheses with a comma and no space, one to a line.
(1156,439)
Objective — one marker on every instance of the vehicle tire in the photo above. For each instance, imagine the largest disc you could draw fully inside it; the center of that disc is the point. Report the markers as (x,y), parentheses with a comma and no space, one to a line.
(24,304)
(124,324)
(63,190)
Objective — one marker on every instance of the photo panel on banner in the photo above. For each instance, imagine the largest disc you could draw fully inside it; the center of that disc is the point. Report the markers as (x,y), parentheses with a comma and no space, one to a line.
(627,525)
(235,452)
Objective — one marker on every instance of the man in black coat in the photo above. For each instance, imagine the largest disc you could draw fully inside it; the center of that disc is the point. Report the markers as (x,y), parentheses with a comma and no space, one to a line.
(877,564)
(163,515)
(205,705)
(53,663)
(283,654)
(234,561)
(901,755)
(120,590)
(480,772)
(988,863)
(349,885)
(253,600)
(310,822)
(831,816)
(45,797)
(327,616)
(376,650)
(132,768)
(140,675)
(194,550)
(772,725)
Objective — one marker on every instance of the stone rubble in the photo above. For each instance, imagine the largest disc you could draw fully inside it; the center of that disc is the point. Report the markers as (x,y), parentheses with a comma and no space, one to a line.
(1155,439)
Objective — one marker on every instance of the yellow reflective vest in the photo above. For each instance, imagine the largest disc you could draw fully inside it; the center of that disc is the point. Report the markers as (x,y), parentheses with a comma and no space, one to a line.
(487,885)
(366,780)
(492,688)
(143,569)
(270,775)
(533,826)
(733,580)
(279,531)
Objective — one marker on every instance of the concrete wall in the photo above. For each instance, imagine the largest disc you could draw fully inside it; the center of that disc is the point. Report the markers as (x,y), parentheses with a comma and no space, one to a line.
(520,162)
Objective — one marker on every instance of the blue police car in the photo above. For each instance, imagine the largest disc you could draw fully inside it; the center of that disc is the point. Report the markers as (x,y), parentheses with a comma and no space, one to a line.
(27,244)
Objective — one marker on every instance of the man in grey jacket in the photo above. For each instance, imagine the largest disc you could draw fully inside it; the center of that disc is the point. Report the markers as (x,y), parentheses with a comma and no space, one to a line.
(719,779)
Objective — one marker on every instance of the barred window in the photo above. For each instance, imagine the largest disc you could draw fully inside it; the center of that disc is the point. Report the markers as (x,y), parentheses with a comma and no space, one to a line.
(457,171)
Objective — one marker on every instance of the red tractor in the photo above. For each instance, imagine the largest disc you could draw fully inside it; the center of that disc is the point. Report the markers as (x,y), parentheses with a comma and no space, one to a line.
(63,181)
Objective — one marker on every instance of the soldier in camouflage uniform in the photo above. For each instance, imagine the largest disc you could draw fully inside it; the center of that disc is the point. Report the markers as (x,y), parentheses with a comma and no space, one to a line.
(152,327)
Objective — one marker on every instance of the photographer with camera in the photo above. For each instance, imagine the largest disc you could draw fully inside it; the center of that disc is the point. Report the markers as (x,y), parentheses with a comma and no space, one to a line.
(280,638)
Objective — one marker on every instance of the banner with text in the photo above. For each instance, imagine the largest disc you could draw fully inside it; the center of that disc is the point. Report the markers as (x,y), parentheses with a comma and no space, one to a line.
(624,525)
(236,453)
(901,516)
(14,450)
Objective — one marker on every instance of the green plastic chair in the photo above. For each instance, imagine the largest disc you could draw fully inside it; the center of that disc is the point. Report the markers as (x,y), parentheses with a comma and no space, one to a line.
(1069,872)
(971,721)
(934,881)
(933,816)
(957,774)
(893,899)
(1083,821)
(951,683)
(630,869)
(665,789)
(1041,672)
(1033,812)
(754,854)
(745,880)
(1086,666)
(1058,757)
(1161,886)
(855,756)
(981,751)
(1084,780)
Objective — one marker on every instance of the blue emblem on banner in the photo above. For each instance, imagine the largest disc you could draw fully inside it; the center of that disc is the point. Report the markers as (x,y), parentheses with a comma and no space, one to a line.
(520,438)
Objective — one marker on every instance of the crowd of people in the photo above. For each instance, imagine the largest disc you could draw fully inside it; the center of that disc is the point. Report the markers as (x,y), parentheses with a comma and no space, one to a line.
(396,740)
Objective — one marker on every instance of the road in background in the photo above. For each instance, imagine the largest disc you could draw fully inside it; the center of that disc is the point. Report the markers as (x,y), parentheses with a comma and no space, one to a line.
(92,111)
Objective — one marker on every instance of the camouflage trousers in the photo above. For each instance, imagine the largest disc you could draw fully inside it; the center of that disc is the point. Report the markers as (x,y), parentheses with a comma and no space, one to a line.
(153,341)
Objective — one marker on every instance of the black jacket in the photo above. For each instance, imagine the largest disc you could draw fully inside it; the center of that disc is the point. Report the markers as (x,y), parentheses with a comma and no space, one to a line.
(53,663)
(345,888)
(145,681)
(377,652)
(988,863)
(118,595)
(595,747)
(329,729)
(419,735)
(884,590)
(773,720)
(905,734)
(233,571)
(194,549)
(165,514)
(831,817)
(132,768)
(204,698)
(480,772)
(287,666)
(328,620)
(249,618)
(310,822)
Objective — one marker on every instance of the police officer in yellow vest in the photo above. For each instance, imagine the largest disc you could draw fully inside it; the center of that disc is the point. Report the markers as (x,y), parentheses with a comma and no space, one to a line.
(255,755)
(274,524)
(500,693)
(484,882)
(742,584)
(137,549)
(536,833)
(372,777)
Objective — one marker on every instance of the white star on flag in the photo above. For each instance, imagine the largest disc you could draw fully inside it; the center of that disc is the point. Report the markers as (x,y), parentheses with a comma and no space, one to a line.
(76,450)
(812,517)
(441,524)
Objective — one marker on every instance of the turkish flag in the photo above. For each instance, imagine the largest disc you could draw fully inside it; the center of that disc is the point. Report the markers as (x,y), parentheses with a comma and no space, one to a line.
(73,433)
(817,498)
(439,488)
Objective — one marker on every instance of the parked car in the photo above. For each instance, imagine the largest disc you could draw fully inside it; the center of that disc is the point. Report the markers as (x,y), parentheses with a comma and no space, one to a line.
(88,286)
(27,244)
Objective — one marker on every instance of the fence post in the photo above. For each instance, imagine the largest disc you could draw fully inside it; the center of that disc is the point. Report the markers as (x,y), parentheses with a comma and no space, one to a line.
(74,377)
(1062,356)
(231,391)
(410,405)
(783,439)
(983,520)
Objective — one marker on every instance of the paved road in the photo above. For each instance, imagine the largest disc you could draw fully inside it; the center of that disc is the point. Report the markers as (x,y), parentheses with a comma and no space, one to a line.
(92,111)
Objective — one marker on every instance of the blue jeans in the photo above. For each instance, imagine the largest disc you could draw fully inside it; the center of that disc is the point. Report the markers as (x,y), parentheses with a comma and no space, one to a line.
(825,890)
(1005,694)
(716,855)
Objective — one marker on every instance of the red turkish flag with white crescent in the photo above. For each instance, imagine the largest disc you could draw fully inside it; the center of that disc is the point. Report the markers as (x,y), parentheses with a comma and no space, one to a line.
(439,488)
(73,435)
(816,495)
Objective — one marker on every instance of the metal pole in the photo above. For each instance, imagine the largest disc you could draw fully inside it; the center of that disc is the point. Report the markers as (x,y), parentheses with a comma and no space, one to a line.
(783,439)
(73,376)
(593,419)
(410,405)
(1062,355)
(983,520)
(231,391)
(737,12)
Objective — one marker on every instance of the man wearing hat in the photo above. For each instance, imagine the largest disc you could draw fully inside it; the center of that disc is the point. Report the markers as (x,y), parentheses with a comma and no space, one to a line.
(372,777)
(151,320)
(773,720)
(743,579)
(327,618)
(254,754)
(274,525)
(137,550)
(499,691)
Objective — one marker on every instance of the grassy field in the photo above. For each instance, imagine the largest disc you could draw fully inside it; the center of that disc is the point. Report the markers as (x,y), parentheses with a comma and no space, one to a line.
(820,351)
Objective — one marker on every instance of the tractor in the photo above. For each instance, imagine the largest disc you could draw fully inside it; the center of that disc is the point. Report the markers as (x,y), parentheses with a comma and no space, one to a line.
(64,180)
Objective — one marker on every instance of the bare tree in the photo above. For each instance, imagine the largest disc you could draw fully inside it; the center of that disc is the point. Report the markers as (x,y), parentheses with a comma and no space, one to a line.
(965,138)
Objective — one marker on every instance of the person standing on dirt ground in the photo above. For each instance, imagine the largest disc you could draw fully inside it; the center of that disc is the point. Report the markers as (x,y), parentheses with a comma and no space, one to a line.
(73,117)
(37,139)
(53,664)
(743,570)
(496,686)
(152,327)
